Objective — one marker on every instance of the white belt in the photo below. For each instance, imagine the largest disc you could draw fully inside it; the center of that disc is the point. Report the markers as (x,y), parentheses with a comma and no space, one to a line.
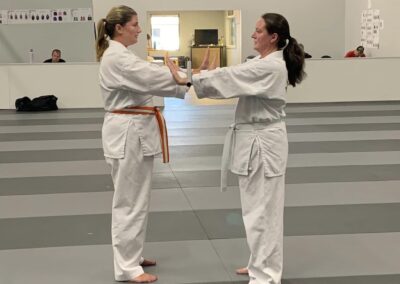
(229,146)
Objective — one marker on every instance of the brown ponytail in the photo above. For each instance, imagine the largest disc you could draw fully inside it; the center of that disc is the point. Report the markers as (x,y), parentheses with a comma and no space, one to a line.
(294,58)
(292,52)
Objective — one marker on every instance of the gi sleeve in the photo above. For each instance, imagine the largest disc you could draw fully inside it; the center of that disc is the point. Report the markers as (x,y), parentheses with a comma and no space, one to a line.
(146,78)
(254,78)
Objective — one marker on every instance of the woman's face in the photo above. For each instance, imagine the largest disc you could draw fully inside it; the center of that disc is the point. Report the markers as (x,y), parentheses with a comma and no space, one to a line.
(128,34)
(263,41)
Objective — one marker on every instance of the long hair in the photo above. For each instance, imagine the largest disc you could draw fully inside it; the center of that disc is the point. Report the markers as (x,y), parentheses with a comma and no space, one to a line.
(292,52)
(106,26)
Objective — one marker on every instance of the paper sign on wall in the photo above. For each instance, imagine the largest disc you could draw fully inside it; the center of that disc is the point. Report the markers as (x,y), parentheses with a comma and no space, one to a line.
(371,24)
(82,15)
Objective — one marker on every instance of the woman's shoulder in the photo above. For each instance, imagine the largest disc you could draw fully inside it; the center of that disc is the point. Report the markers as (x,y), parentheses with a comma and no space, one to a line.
(268,64)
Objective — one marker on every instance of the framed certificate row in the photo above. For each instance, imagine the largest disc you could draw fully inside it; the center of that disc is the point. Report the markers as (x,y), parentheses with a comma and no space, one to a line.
(40,16)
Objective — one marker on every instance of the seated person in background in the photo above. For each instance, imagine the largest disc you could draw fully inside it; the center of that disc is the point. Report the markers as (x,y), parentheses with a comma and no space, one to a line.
(358,52)
(55,57)
(306,55)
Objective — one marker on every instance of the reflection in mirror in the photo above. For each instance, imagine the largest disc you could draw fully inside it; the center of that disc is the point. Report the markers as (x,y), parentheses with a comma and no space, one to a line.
(188,34)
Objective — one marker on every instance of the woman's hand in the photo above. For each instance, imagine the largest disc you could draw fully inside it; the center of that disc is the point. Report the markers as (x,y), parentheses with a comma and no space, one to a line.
(205,65)
(174,71)
(206,60)
(213,65)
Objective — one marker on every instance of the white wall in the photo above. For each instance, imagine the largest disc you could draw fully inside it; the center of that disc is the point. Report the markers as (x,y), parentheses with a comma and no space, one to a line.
(348,80)
(76,85)
(389,36)
(319,25)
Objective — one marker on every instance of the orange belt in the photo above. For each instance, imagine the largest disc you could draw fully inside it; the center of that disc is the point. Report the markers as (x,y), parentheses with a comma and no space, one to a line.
(146,110)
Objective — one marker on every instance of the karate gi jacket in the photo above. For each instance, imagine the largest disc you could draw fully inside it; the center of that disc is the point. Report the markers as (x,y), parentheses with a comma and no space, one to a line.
(260,84)
(127,80)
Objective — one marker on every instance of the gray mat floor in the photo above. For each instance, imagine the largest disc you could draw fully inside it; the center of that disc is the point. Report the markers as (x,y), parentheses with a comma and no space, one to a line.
(341,213)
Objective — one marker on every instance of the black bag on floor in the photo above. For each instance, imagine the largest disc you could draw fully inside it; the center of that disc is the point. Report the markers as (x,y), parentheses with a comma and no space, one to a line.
(42,103)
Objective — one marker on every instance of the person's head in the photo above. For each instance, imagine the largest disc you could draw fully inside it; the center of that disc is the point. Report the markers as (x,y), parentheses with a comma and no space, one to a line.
(359,51)
(121,24)
(55,55)
(273,33)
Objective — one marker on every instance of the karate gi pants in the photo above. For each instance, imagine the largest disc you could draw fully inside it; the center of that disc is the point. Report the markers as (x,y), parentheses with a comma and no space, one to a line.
(262,201)
(132,178)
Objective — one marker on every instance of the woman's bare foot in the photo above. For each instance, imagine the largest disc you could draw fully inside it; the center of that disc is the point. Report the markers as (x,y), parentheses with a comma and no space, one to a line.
(148,262)
(242,271)
(144,278)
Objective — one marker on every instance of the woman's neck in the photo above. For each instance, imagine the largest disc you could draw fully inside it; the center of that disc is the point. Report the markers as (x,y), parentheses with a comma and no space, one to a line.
(266,52)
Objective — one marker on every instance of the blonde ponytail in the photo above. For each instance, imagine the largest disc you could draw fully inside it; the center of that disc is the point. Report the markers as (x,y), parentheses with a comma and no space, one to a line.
(101,42)
(106,27)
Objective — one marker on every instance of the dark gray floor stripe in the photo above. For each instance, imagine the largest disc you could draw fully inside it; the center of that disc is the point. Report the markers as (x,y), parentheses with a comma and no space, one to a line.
(290,114)
(310,220)
(69,110)
(221,131)
(343,173)
(217,131)
(55,231)
(56,184)
(301,175)
(316,105)
(342,127)
(198,151)
(357,113)
(94,229)
(51,121)
(51,155)
(98,183)
(342,219)
(223,282)
(297,148)
(49,136)
(344,146)
(72,184)
(364,279)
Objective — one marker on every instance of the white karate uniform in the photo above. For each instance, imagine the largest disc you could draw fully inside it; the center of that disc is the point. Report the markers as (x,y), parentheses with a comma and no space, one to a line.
(256,149)
(130,143)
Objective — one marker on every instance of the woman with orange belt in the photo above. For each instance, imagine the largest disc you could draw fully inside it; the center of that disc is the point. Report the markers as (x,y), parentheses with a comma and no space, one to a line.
(133,132)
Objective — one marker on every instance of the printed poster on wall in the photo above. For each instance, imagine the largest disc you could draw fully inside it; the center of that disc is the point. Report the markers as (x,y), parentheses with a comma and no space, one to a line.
(82,15)
(61,15)
(371,24)
(39,16)
(18,16)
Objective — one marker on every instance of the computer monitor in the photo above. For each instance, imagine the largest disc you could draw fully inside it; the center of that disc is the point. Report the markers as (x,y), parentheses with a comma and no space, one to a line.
(206,37)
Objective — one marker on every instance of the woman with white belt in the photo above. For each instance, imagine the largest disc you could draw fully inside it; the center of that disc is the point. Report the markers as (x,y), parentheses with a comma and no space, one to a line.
(256,146)
(133,132)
